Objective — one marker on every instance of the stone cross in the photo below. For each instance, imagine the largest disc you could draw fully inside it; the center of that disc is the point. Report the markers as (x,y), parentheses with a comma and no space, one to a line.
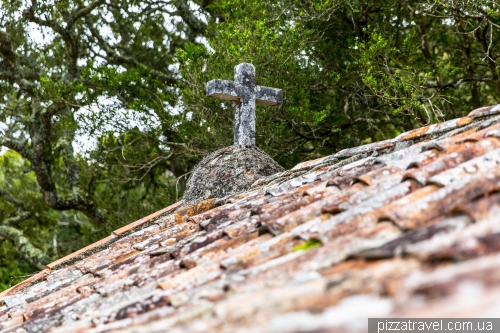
(245,94)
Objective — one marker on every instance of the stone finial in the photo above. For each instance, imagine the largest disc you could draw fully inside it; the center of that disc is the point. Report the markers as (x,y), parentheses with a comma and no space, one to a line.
(244,94)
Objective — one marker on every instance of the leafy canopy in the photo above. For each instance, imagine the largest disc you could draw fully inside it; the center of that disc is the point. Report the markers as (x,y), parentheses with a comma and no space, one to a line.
(352,72)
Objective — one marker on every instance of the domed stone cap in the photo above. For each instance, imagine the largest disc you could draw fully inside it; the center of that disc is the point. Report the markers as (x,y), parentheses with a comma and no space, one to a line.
(228,171)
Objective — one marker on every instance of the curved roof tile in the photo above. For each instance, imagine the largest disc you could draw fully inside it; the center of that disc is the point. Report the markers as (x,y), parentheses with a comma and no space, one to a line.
(389,229)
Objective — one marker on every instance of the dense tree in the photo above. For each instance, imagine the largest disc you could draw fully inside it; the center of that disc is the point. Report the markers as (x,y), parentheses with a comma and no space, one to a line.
(352,71)
(104,113)
(71,72)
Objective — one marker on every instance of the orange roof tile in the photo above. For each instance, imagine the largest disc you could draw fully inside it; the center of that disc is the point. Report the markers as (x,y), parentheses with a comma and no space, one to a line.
(395,228)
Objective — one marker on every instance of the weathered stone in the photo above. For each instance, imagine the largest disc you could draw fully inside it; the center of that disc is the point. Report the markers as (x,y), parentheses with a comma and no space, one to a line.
(234,169)
(228,171)
(245,94)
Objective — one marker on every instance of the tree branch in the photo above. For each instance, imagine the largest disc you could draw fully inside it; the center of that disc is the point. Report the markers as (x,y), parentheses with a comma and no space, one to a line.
(457,83)
(15,220)
(481,37)
(6,48)
(82,12)
(21,147)
(119,59)
(12,200)
(196,25)
(34,255)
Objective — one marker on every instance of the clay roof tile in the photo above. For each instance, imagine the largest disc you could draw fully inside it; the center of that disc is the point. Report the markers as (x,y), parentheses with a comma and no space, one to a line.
(391,223)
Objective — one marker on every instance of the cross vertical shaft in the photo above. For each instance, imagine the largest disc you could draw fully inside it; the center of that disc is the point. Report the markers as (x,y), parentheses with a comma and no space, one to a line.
(244,109)
(244,94)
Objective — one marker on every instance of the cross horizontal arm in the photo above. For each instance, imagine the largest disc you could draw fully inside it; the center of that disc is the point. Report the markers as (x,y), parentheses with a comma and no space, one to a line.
(222,89)
(268,96)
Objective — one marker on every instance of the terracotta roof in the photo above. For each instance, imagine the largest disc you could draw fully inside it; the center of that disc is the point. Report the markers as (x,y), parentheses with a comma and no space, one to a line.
(407,227)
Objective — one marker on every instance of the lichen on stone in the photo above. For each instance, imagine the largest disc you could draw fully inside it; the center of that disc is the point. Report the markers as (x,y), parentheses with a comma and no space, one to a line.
(228,171)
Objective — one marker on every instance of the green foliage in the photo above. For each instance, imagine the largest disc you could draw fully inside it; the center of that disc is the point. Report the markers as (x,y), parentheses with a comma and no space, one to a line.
(307,245)
(30,230)
(73,72)
(279,53)
(13,269)
(351,71)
